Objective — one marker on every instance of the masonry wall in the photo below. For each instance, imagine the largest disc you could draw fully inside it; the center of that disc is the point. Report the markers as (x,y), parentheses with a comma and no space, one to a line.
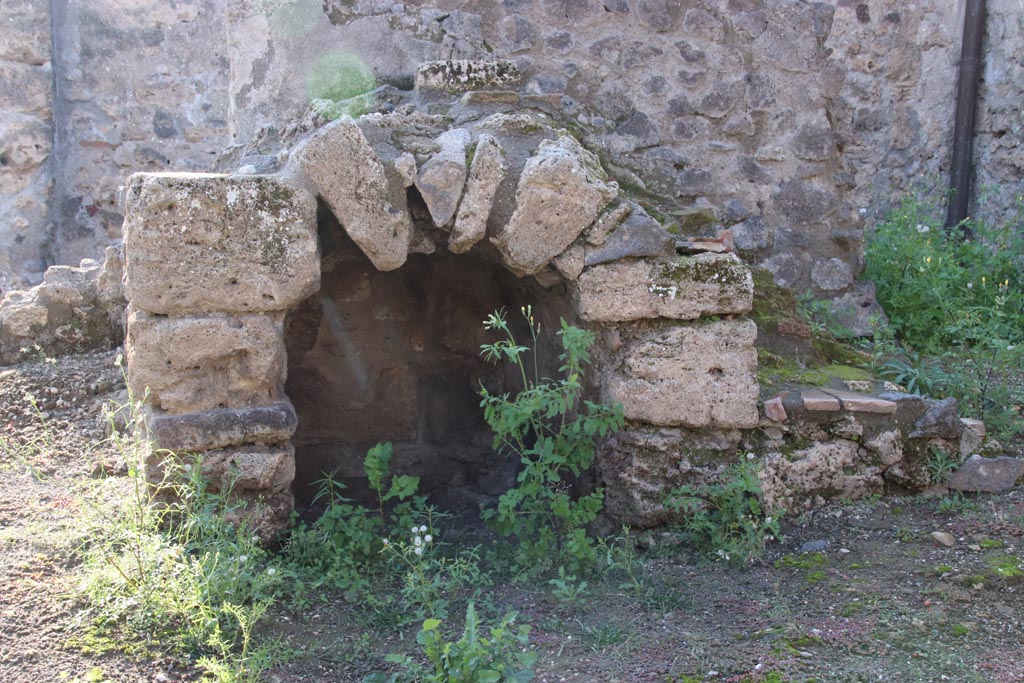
(26,134)
(788,121)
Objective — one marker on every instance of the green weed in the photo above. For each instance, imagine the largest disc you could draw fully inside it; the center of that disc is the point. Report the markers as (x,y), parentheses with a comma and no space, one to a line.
(552,431)
(957,305)
(479,656)
(727,521)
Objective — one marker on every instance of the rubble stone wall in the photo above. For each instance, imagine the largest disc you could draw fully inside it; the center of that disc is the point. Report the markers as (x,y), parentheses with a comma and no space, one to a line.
(781,119)
(26,136)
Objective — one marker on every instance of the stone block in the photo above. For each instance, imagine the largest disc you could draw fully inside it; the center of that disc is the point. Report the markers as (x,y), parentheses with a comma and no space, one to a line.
(775,409)
(684,288)
(486,172)
(250,468)
(570,262)
(638,236)
(194,364)
(987,475)
(201,243)
(561,191)
(818,401)
(638,465)
(237,469)
(194,432)
(860,403)
(461,75)
(940,421)
(608,221)
(812,475)
(442,177)
(690,376)
(350,177)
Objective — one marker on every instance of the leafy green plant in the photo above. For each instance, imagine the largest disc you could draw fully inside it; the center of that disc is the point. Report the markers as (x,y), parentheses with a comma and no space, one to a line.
(727,521)
(174,572)
(941,465)
(619,556)
(565,587)
(917,375)
(344,543)
(957,305)
(954,505)
(492,656)
(552,431)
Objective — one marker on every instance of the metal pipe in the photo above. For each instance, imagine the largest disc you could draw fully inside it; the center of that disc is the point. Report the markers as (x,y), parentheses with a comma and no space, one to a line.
(966,103)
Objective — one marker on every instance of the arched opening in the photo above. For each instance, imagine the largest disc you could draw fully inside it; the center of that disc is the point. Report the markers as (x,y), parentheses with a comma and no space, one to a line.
(395,356)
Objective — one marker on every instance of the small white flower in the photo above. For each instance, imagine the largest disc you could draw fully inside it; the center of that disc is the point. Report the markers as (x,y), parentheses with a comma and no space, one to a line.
(418,551)
(970,285)
(428,538)
(423,528)
(417,541)
(386,541)
(922,228)
(271,571)
(414,530)
(243,558)
(862,211)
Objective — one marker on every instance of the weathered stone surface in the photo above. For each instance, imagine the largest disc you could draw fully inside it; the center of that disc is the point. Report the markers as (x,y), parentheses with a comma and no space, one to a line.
(818,401)
(196,364)
(570,262)
(859,403)
(940,421)
(193,432)
(350,177)
(684,288)
(831,274)
(943,538)
(199,243)
(812,475)
(752,234)
(460,75)
(690,376)
(987,475)
(606,222)
(442,178)
(236,469)
(486,172)
(775,409)
(638,465)
(250,468)
(888,446)
(638,236)
(71,310)
(561,190)
(405,167)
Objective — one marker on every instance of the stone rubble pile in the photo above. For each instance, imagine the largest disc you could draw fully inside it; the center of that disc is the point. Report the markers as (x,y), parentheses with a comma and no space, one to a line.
(72,310)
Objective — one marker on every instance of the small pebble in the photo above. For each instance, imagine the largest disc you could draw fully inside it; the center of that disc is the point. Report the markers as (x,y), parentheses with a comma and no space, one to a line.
(943,538)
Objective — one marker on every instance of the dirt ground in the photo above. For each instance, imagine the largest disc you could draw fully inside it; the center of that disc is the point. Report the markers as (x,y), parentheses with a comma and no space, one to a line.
(876,599)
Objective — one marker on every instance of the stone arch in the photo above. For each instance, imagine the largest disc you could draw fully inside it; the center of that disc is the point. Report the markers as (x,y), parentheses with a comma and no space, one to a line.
(214,263)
